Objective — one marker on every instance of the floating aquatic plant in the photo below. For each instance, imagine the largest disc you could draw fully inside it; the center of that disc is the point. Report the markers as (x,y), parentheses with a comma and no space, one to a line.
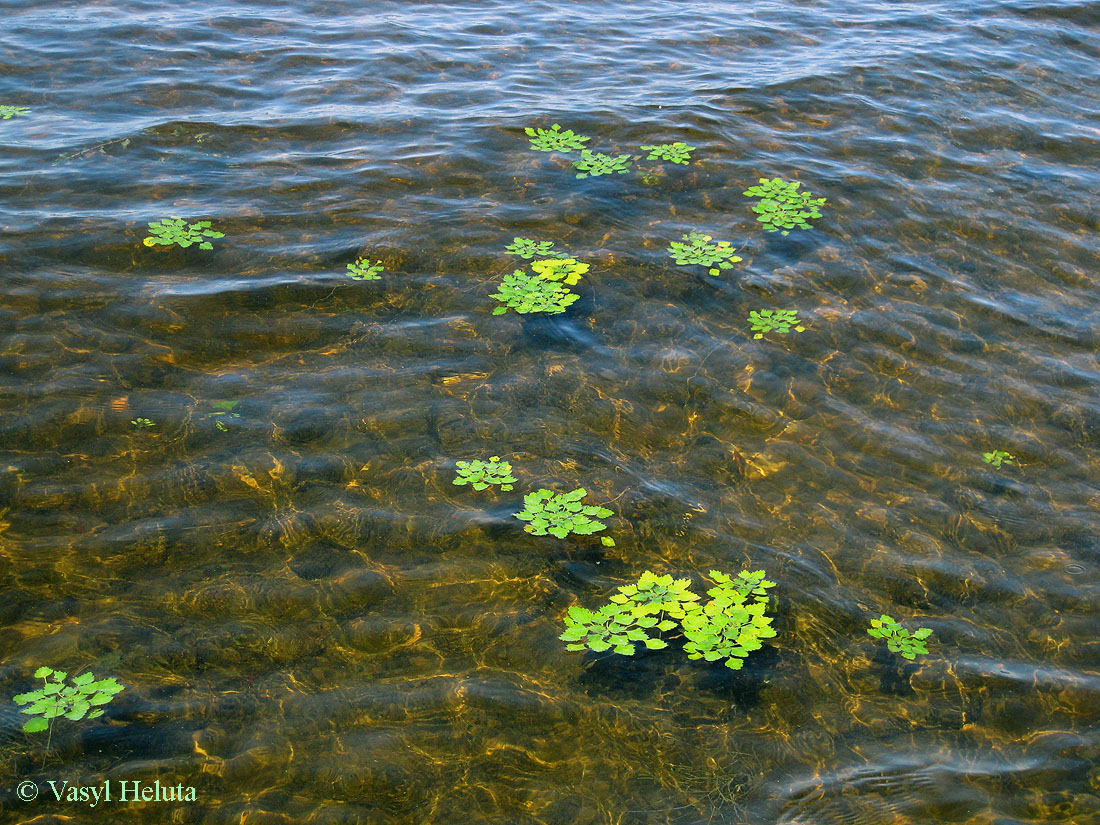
(176,231)
(482,474)
(566,270)
(555,140)
(82,696)
(8,112)
(782,207)
(898,639)
(775,320)
(729,626)
(528,249)
(674,152)
(595,164)
(560,514)
(224,409)
(142,423)
(698,249)
(529,293)
(998,457)
(363,270)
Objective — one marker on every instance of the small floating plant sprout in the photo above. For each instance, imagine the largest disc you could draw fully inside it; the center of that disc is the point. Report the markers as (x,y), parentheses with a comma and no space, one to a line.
(177,232)
(998,457)
(8,112)
(528,249)
(672,152)
(81,696)
(224,409)
(774,320)
(529,293)
(363,270)
(697,248)
(729,626)
(559,514)
(594,164)
(782,207)
(142,423)
(898,639)
(555,139)
(483,474)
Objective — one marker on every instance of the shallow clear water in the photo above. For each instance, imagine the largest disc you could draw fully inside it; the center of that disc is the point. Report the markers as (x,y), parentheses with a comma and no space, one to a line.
(315,626)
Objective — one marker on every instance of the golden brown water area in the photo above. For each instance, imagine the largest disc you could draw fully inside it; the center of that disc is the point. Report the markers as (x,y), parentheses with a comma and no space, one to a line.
(314,625)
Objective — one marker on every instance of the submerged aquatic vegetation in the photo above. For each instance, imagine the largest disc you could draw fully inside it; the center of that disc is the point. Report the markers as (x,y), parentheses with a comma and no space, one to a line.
(782,207)
(82,696)
(566,270)
(555,140)
(698,249)
(176,231)
(729,626)
(363,270)
(224,409)
(998,457)
(529,293)
(481,474)
(674,152)
(775,320)
(528,249)
(560,514)
(141,423)
(898,639)
(8,112)
(595,164)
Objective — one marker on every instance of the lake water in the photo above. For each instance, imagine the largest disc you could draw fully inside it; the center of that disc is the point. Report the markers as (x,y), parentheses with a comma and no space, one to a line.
(314,625)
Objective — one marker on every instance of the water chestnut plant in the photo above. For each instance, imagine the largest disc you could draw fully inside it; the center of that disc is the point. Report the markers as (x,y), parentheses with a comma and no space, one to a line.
(998,457)
(567,270)
(898,639)
(731,625)
(529,293)
(8,112)
(79,697)
(774,320)
(595,164)
(782,207)
(673,152)
(697,248)
(483,474)
(555,139)
(559,514)
(142,423)
(177,232)
(528,249)
(363,270)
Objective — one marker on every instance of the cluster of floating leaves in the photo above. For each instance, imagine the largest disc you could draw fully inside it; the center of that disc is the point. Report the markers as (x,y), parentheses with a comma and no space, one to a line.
(364,270)
(672,152)
(774,320)
(899,639)
(729,626)
(594,164)
(528,249)
(696,248)
(483,474)
(8,112)
(560,514)
(782,207)
(178,232)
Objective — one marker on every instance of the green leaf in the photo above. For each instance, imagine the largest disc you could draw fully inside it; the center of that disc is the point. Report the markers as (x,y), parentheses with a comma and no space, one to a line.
(35,725)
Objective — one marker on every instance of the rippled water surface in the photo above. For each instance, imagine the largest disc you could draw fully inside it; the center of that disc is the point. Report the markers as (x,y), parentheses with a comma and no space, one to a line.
(314,625)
